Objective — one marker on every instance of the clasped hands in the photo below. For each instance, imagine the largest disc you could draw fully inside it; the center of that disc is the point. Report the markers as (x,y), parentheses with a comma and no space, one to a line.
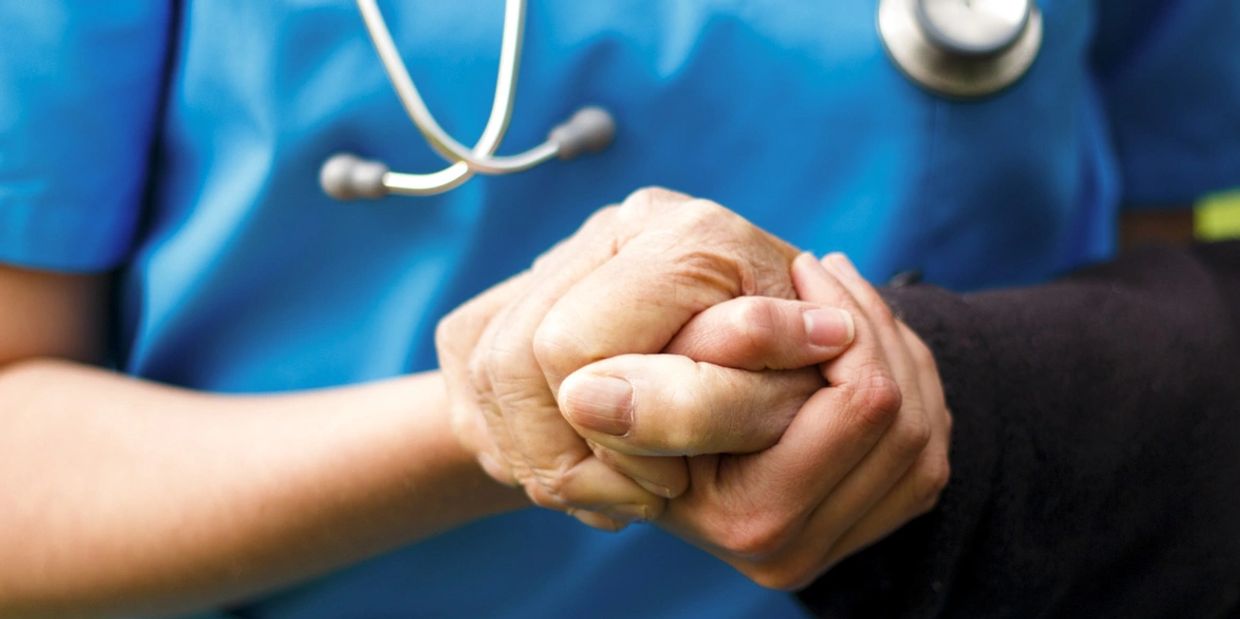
(670,362)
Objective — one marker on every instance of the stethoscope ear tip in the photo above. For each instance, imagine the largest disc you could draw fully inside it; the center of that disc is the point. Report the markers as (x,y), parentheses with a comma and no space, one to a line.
(348,177)
(589,130)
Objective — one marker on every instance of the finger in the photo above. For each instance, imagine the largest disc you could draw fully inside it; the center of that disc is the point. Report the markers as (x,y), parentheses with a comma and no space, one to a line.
(918,491)
(870,483)
(915,494)
(561,468)
(903,444)
(876,312)
(693,254)
(650,472)
(596,520)
(481,319)
(893,512)
(838,425)
(506,455)
(456,336)
(761,333)
(611,494)
(835,280)
(479,373)
(670,405)
(846,272)
(885,491)
(562,253)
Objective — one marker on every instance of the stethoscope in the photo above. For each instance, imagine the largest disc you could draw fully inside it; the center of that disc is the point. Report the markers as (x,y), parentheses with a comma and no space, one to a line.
(962,49)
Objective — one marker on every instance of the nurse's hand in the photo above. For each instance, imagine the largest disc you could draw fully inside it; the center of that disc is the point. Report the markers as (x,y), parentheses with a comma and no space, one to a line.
(862,457)
(626,282)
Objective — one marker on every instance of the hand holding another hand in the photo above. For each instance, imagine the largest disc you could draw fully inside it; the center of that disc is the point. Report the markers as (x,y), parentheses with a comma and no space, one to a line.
(645,329)
(862,457)
(627,282)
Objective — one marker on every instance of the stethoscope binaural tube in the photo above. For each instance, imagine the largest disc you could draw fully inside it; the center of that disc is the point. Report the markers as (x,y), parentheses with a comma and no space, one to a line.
(955,48)
(346,177)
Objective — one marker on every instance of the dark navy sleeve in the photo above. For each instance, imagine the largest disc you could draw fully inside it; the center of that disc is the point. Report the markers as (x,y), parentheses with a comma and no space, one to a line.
(1095,452)
(79,87)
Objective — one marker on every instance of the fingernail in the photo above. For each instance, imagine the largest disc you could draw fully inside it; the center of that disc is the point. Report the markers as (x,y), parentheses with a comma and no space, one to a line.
(828,327)
(597,520)
(600,403)
(805,257)
(629,513)
(842,264)
(654,488)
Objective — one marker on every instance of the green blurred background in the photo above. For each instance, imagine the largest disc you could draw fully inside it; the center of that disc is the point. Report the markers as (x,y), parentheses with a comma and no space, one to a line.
(1218,217)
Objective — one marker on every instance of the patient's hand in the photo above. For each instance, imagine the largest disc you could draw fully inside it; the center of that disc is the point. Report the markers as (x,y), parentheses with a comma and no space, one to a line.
(785,497)
(627,282)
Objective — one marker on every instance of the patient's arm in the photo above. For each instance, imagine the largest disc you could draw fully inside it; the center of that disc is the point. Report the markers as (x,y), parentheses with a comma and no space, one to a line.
(1095,466)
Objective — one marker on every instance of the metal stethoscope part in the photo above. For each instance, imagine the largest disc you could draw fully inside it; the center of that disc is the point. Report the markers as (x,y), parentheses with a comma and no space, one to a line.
(347,177)
(961,48)
(956,48)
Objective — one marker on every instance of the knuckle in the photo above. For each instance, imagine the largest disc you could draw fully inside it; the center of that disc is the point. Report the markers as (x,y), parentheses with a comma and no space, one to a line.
(755,322)
(556,349)
(705,270)
(684,422)
(699,217)
(451,324)
(698,209)
(544,260)
(602,219)
(931,481)
(442,331)
(506,361)
(478,374)
(602,216)
(759,536)
(876,399)
(651,200)
(914,434)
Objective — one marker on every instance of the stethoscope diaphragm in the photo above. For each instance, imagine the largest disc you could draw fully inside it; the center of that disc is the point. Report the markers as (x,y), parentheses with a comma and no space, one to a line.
(961,48)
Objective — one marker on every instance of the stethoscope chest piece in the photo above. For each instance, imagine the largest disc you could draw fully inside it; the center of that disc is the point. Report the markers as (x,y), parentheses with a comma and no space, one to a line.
(961,48)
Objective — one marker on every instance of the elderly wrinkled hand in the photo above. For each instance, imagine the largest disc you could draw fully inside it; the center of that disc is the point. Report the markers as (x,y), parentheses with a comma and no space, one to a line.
(627,282)
(864,455)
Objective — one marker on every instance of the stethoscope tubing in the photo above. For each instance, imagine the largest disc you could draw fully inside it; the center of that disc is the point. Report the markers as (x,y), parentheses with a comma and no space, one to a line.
(479,159)
(910,44)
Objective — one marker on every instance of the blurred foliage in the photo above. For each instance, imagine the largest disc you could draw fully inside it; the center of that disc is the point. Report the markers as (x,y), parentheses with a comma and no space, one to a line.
(1218,217)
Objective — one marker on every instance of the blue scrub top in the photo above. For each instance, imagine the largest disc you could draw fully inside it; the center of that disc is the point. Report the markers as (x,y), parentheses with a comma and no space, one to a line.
(181,143)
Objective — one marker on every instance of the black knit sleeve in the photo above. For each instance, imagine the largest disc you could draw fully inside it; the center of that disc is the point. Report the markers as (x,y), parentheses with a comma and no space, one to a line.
(1095,451)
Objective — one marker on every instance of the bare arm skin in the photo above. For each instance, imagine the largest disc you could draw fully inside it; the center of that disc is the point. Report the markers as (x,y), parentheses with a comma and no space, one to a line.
(122,496)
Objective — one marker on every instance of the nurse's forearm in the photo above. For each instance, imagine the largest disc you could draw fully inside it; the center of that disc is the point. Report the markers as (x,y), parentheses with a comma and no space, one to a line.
(122,496)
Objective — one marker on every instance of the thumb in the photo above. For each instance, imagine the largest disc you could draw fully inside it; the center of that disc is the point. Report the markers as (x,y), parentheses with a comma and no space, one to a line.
(759,333)
(670,405)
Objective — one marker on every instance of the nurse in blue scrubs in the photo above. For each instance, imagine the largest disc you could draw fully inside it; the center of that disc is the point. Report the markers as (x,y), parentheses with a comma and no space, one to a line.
(159,215)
